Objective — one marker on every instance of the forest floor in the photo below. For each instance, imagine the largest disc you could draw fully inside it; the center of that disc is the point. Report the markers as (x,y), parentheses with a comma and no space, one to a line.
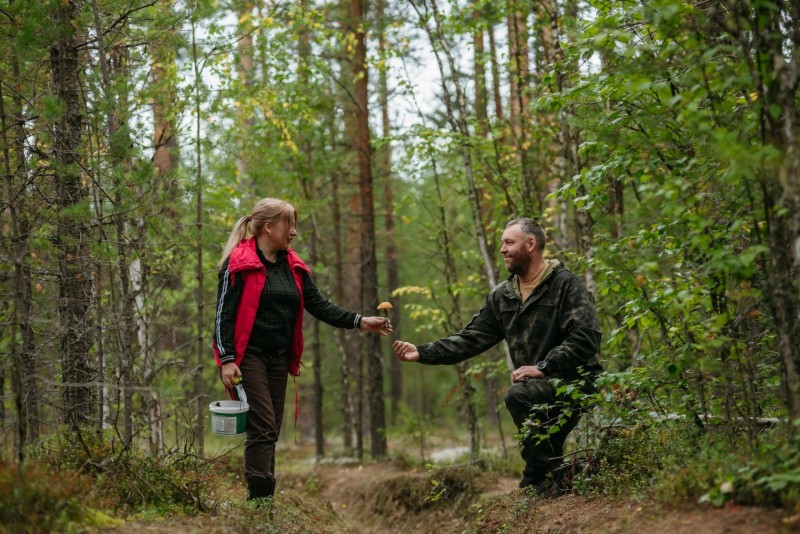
(361,496)
(389,497)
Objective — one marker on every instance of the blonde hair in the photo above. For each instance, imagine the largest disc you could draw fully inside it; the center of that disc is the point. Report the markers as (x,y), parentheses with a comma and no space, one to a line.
(266,210)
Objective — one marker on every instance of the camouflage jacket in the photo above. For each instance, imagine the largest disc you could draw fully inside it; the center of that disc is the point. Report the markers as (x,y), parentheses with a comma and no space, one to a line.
(556,323)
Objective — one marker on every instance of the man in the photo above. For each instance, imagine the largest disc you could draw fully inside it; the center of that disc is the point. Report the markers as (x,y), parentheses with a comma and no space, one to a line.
(548,319)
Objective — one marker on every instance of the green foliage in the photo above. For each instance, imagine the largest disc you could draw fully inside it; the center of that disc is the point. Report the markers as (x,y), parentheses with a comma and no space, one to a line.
(130,479)
(679,461)
(632,460)
(36,498)
(767,476)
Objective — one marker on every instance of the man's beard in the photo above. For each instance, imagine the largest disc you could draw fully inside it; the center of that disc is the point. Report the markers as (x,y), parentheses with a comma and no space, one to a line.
(519,264)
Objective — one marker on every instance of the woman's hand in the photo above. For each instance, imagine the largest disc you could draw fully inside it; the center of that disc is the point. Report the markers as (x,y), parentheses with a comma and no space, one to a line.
(377,325)
(228,373)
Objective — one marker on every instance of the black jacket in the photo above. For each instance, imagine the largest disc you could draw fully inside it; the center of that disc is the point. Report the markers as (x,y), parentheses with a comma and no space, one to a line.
(556,324)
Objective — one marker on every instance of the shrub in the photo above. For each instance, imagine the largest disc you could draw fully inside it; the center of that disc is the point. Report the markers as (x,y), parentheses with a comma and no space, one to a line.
(128,478)
(678,462)
(36,499)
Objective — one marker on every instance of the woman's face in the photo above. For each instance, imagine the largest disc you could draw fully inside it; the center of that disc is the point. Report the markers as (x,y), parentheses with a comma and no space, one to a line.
(280,234)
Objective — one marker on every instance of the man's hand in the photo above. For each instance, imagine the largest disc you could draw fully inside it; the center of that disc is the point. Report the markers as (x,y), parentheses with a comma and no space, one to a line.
(405,352)
(525,372)
(378,325)
(228,373)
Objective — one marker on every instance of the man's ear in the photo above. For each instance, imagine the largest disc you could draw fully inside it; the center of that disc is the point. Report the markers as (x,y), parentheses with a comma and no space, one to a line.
(532,243)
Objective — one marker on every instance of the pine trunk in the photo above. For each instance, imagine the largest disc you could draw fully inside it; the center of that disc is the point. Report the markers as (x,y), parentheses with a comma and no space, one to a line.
(392,265)
(72,225)
(369,270)
(23,356)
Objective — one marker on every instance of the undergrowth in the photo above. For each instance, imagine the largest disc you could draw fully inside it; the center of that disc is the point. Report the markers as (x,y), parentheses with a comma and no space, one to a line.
(35,498)
(683,462)
(77,480)
(130,479)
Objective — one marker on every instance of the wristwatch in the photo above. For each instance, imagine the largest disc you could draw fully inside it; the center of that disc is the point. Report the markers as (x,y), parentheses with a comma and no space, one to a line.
(542,366)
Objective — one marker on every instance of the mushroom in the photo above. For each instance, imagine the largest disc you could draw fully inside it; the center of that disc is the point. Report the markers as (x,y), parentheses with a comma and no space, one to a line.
(385,306)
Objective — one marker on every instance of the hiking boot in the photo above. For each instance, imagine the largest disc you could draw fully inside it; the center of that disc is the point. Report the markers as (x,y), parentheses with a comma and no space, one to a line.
(260,488)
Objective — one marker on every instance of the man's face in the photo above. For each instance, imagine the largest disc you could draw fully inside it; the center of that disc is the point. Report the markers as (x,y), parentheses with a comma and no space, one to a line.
(517,250)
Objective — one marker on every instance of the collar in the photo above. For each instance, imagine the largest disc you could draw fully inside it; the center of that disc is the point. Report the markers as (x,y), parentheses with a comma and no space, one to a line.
(551,266)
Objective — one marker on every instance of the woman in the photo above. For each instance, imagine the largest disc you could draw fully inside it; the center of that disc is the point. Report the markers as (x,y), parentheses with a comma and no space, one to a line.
(264,287)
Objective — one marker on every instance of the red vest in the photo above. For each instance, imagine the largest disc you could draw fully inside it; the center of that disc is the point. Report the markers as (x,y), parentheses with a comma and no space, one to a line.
(244,262)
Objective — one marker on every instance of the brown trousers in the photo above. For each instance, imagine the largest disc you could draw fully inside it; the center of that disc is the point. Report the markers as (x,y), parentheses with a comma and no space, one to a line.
(264,379)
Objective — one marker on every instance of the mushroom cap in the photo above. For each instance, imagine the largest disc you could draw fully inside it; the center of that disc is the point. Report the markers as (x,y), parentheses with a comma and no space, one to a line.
(385,306)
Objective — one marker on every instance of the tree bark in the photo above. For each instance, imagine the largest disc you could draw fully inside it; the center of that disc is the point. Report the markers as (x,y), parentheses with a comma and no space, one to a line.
(244,67)
(392,266)
(369,271)
(23,356)
(306,173)
(778,89)
(72,227)
(349,257)
(519,103)
(199,384)
(348,409)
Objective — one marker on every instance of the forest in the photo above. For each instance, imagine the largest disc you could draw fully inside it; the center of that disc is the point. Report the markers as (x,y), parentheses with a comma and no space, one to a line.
(656,141)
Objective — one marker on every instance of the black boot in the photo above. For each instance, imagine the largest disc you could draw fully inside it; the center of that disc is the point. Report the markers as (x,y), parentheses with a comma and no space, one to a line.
(260,488)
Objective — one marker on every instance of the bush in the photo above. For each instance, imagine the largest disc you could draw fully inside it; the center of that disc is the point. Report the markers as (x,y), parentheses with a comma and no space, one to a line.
(677,462)
(130,479)
(36,499)
(633,460)
(764,474)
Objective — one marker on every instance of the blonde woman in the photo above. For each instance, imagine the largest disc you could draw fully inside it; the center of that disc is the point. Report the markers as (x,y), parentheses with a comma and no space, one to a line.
(264,287)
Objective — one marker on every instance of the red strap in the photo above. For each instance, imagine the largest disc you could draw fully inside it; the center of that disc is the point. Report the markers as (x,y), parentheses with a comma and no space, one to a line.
(296,408)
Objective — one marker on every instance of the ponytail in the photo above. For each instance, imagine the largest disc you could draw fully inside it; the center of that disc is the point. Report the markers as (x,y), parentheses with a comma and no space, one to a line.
(239,232)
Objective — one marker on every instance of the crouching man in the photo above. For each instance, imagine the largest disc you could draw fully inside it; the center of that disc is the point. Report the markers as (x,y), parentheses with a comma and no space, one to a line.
(548,319)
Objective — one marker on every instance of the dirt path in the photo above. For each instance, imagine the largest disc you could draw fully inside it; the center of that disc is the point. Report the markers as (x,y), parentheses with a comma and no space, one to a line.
(382,498)
(387,498)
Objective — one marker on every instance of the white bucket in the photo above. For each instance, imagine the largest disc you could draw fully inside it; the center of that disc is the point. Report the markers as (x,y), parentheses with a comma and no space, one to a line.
(228,417)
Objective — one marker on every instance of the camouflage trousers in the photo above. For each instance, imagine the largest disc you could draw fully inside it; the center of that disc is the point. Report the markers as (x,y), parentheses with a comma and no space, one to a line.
(535,410)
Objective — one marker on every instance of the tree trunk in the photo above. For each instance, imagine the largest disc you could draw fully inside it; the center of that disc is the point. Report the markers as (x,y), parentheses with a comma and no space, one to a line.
(72,225)
(777,89)
(392,266)
(481,94)
(199,384)
(496,96)
(166,158)
(244,67)
(23,357)
(369,270)
(351,256)
(119,141)
(348,424)
(306,172)
(519,103)
(482,116)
